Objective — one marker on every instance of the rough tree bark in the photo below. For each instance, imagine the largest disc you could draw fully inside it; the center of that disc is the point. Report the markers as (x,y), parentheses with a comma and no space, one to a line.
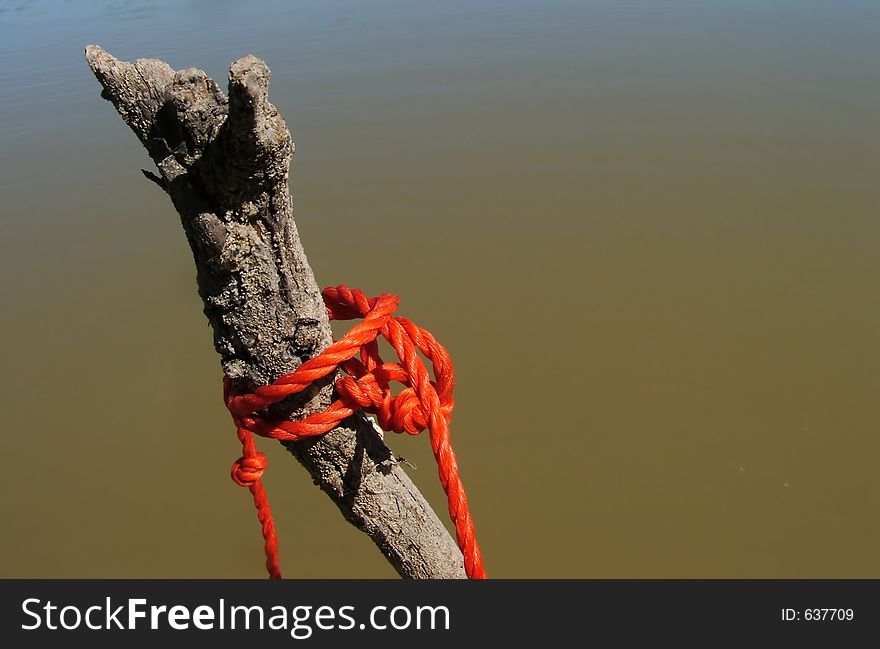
(225,162)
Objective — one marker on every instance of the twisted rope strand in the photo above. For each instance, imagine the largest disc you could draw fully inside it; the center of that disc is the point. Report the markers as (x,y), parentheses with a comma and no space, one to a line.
(364,385)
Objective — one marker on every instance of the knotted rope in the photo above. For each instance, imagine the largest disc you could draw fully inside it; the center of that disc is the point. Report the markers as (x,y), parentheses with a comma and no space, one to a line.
(364,385)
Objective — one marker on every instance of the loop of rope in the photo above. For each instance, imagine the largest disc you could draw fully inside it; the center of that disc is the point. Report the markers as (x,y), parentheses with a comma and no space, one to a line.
(364,385)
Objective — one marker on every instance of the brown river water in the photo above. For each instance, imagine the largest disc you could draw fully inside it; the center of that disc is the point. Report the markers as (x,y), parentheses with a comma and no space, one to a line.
(647,231)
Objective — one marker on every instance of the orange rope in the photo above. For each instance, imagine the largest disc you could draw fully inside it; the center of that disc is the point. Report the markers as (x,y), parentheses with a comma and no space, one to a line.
(363,386)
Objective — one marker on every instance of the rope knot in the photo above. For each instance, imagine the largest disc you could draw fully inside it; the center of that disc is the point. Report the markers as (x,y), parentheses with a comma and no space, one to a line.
(422,404)
(247,470)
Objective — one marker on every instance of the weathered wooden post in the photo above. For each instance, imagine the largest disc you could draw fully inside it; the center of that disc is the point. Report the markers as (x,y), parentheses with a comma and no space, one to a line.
(224,162)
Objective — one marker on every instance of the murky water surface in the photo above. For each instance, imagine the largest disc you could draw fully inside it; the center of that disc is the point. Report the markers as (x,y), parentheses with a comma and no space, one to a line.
(647,232)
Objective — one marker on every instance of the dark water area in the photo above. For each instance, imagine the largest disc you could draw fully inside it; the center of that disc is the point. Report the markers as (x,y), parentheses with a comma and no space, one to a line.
(646,231)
